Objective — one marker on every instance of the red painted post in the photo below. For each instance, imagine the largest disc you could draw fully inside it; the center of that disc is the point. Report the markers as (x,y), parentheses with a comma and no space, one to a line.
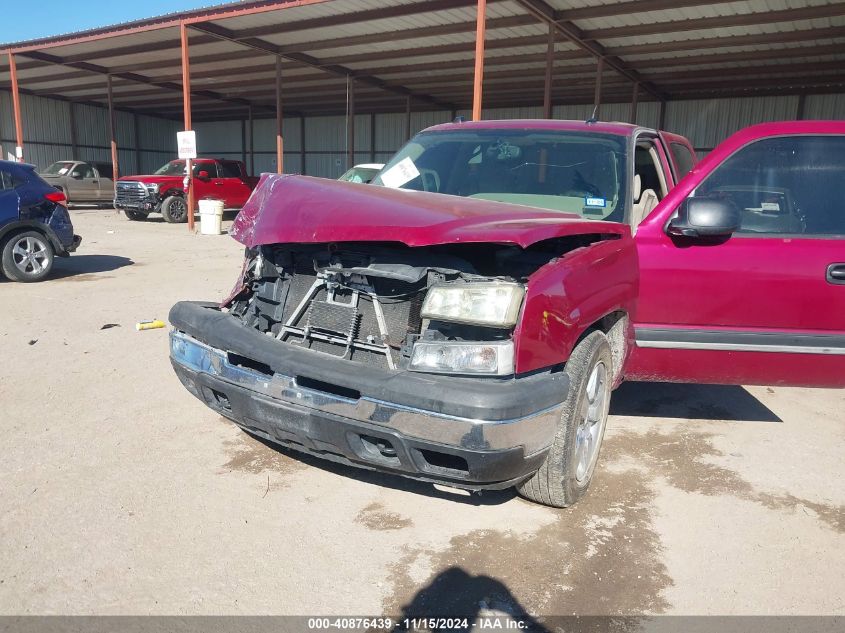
(186,107)
(112,130)
(280,153)
(478,79)
(16,106)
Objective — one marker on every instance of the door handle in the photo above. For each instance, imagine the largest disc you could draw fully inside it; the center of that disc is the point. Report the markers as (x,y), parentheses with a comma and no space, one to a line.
(836,273)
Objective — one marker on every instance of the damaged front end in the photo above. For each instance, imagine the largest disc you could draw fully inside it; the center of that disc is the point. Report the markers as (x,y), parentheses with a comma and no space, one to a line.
(408,352)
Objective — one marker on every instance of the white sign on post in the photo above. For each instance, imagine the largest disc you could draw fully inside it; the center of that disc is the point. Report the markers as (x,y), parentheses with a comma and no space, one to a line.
(187,142)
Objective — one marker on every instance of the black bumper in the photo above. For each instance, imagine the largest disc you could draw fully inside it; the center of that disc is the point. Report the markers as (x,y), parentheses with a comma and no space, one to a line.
(468,432)
(356,443)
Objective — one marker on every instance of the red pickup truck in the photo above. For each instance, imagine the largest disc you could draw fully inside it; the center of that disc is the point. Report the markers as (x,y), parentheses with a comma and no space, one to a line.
(164,191)
(474,338)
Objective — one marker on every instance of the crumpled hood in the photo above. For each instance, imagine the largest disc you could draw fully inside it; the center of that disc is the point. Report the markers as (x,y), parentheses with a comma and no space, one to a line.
(302,209)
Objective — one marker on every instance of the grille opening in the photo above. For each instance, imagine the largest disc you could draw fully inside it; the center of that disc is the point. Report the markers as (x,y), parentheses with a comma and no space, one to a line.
(327,387)
(248,363)
(445,461)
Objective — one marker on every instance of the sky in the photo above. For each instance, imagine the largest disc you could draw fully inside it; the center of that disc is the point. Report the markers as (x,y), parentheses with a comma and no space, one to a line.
(26,20)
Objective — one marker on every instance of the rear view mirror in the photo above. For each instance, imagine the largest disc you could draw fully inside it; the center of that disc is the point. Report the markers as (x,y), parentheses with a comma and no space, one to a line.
(705,217)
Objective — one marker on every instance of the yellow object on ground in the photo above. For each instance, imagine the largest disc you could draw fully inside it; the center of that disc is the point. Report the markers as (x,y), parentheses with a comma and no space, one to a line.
(150,325)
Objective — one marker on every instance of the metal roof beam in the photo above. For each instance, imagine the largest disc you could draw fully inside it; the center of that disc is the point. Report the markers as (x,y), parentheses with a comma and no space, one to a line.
(272,49)
(718,22)
(102,70)
(630,7)
(544,12)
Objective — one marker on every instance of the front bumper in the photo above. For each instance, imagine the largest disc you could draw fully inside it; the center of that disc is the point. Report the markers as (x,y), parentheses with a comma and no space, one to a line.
(470,432)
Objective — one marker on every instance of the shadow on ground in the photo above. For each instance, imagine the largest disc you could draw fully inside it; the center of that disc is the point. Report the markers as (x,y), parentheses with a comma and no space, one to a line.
(84,267)
(384,480)
(689,402)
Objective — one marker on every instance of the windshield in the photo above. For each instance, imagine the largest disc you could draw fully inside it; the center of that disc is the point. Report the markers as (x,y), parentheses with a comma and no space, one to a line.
(569,172)
(359,174)
(173,168)
(58,169)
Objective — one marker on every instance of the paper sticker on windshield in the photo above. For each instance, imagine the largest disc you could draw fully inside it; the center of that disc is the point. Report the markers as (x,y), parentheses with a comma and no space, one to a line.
(402,172)
(769,206)
(600,203)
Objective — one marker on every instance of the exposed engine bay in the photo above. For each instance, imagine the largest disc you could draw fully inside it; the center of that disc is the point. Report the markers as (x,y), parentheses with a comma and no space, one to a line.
(364,301)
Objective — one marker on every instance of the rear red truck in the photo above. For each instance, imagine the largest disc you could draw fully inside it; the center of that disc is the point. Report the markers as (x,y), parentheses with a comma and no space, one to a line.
(164,191)
(466,322)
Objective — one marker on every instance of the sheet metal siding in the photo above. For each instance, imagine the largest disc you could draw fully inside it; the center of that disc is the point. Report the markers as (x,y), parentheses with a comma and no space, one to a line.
(825,107)
(707,122)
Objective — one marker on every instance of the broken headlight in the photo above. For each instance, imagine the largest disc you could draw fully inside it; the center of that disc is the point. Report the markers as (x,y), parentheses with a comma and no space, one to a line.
(461,357)
(489,304)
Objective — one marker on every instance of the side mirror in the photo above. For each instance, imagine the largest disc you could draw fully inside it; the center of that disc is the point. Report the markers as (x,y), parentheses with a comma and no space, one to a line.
(203,175)
(76,175)
(705,217)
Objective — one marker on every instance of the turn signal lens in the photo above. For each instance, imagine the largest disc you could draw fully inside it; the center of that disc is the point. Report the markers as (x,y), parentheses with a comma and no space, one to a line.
(494,358)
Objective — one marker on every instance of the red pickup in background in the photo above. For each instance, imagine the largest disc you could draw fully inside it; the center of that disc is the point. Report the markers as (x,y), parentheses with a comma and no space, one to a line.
(164,191)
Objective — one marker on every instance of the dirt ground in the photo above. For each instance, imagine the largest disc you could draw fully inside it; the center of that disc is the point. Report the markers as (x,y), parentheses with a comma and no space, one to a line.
(122,494)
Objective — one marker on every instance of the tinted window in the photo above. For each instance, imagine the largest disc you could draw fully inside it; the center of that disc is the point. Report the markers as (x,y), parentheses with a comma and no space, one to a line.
(229,169)
(84,171)
(683,159)
(581,173)
(6,180)
(789,184)
(104,169)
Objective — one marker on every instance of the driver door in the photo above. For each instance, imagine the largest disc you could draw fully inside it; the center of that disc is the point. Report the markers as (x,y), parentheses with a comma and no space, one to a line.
(83,183)
(765,305)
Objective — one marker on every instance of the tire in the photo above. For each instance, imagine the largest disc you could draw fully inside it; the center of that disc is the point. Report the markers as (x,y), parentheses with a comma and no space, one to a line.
(566,474)
(27,257)
(135,216)
(174,209)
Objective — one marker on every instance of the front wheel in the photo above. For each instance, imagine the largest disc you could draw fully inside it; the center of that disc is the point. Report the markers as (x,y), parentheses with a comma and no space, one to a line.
(27,257)
(174,209)
(566,474)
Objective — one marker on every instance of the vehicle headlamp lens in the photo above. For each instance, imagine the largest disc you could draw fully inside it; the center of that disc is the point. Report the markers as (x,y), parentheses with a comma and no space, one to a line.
(491,304)
(153,188)
(458,357)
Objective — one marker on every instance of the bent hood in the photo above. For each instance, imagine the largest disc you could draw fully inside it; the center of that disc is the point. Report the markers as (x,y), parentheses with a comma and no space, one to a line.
(302,209)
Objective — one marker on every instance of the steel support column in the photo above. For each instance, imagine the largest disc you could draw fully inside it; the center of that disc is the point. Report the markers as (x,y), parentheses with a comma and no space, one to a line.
(280,141)
(136,124)
(802,104)
(408,118)
(74,145)
(661,118)
(112,129)
(186,107)
(350,122)
(16,107)
(550,64)
(251,133)
(634,98)
(597,97)
(302,144)
(478,80)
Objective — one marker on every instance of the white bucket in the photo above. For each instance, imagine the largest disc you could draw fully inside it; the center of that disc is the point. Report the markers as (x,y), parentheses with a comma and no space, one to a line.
(211,217)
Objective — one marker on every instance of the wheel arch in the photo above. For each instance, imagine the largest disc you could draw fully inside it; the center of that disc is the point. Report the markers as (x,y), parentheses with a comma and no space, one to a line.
(616,326)
(15,228)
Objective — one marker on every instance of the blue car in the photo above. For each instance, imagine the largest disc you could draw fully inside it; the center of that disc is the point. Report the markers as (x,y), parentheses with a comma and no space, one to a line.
(34,224)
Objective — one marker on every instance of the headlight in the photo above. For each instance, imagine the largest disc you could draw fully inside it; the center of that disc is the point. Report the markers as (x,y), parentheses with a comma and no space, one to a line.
(491,304)
(152,188)
(457,357)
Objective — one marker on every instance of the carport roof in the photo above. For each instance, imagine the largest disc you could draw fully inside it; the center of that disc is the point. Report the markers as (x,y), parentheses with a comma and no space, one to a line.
(424,49)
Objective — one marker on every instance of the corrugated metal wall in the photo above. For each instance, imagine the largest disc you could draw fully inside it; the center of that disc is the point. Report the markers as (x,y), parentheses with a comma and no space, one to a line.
(47,125)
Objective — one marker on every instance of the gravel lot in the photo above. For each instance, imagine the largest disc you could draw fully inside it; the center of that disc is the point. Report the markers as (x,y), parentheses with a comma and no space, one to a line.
(122,494)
